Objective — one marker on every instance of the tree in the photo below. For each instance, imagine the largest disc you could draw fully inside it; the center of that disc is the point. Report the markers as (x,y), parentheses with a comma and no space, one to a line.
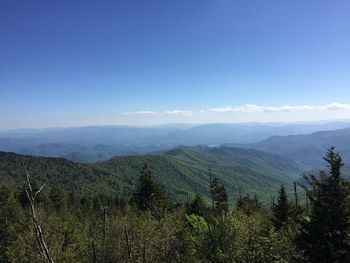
(197,206)
(249,205)
(9,221)
(22,194)
(216,222)
(280,210)
(219,196)
(149,195)
(195,235)
(37,226)
(325,235)
(57,198)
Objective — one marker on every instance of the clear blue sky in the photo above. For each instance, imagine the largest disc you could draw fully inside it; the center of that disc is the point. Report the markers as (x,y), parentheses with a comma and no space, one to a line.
(71,63)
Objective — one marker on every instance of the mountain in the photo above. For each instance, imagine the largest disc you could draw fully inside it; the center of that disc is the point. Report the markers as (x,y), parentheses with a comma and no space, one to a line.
(183,171)
(98,143)
(309,149)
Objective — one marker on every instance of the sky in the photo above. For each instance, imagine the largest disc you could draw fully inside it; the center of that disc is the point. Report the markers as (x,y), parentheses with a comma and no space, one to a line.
(77,63)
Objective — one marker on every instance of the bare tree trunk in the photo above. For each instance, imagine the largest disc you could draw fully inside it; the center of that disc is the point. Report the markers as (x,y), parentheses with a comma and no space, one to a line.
(104,233)
(307,200)
(210,185)
(37,227)
(306,197)
(295,195)
(144,254)
(93,246)
(128,243)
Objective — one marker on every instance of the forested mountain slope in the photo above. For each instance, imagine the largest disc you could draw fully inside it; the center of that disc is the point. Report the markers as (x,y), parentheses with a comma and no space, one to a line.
(307,149)
(182,171)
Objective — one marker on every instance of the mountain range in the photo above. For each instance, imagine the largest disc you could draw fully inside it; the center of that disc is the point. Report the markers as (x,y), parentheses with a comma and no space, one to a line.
(98,143)
(307,149)
(182,171)
(88,160)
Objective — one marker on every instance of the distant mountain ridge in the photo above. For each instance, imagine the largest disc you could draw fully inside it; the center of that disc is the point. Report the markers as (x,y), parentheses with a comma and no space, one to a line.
(309,149)
(183,171)
(98,143)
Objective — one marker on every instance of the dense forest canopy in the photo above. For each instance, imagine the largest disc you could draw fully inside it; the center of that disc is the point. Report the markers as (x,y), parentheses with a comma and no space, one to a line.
(182,171)
(51,224)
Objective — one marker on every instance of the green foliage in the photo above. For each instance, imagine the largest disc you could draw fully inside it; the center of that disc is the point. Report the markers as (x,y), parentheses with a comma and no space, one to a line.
(256,241)
(326,234)
(182,172)
(281,210)
(104,227)
(219,196)
(57,198)
(249,205)
(149,196)
(196,234)
(9,221)
(197,206)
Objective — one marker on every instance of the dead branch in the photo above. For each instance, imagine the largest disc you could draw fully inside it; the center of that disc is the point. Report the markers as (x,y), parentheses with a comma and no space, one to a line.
(37,227)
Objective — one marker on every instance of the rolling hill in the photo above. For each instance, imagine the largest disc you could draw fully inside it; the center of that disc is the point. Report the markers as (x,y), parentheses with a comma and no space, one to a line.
(99,143)
(182,171)
(309,149)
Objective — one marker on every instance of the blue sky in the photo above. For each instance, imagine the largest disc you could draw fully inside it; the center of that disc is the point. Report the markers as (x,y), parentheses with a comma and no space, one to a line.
(72,63)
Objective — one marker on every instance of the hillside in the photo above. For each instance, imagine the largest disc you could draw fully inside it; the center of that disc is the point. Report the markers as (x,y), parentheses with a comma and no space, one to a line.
(99,143)
(182,171)
(307,150)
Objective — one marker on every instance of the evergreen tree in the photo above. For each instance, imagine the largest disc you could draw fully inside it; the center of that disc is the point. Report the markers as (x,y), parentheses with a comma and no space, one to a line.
(197,206)
(219,196)
(149,195)
(248,205)
(280,210)
(326,235)
(8,221)
(56,198)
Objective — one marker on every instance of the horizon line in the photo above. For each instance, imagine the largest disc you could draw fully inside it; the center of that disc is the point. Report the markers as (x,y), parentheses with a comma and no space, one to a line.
(283,123)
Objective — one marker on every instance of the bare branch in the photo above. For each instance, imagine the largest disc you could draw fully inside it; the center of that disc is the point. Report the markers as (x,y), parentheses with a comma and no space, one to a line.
(37,227)
(27,177)
(37,192)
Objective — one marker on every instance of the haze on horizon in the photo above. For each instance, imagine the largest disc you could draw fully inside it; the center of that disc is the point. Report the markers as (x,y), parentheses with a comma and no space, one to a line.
(73,63)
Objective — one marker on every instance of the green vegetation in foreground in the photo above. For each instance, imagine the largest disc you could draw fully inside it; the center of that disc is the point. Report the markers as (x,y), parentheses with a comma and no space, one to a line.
(148,227)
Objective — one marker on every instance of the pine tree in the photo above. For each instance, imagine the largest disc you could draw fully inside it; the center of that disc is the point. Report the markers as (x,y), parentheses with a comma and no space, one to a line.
(219,196)
(197,206)
(149,195)
(325,236)
(56,197)
(249,205)
(280,211)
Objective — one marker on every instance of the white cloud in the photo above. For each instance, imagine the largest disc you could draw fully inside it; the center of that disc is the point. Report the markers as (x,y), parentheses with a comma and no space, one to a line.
(252,108)
(241,113)
(179,112)
(168,112)
(143,112)
(337,106)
